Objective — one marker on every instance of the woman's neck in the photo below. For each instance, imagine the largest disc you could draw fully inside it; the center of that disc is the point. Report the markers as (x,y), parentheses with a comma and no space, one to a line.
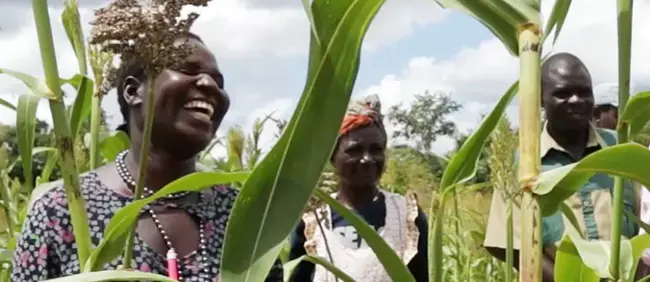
(356,196)
(162,167)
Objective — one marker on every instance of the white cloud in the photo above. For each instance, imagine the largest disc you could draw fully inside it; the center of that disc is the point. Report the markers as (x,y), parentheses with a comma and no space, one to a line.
(478,76)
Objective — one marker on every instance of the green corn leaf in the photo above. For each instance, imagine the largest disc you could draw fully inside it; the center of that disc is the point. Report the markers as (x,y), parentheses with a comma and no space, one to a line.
(36,86)
(569,265)
(271,201)
(462,166)
(556,20)
(113,275)
(26,127)
(501,17)
(113,145)
(6,104)
(81,106)
(115,233)
(290,266)
(396,269)
(72,25)
(637,113)
(628,160)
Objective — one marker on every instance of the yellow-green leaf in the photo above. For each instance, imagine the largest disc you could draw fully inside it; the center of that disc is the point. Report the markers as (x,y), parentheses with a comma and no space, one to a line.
(628,160)
(271,201)
(6,104)
(637,113)
(113,145)
(38,87)
(72,25)
(569,265)
(556,20)
(26,127)
(81,106)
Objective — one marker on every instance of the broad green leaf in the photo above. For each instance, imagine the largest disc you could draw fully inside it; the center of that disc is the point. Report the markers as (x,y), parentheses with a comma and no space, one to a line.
(569,265)
(35,85)
(26,127)
(396,269)
(556,20)
(115,233)
(113,145)
(81,106)
(72,25)
(290,266)
(271,201)
(628,160)
(596,254)
(462,166)
(6,104)
(639,245)
(636,113)
(502,17)
(113,275)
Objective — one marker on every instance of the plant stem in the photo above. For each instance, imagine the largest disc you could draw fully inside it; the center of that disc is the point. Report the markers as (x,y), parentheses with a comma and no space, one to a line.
(529,163)
(436,235)
(76,204)
(624,60)
(144,162)
(509,241)
(95,120)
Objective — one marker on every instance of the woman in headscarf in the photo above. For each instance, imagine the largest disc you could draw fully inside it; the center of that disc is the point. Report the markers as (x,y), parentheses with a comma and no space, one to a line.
(190,103)
(359,159)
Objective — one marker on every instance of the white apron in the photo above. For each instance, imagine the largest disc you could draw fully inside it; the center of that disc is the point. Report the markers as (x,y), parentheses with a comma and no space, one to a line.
(399,232)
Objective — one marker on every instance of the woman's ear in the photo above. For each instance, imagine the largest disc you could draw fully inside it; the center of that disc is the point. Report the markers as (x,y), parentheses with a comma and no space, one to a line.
(132,91)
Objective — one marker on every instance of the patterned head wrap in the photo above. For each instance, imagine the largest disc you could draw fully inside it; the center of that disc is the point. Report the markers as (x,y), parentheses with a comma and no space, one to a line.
(363,112)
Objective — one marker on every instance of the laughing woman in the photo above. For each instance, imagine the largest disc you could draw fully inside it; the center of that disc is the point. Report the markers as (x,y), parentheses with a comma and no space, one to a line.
(359,162)
(190,104)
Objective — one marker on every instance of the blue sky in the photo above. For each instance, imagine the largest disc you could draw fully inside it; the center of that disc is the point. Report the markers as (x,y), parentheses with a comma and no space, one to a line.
(411,47)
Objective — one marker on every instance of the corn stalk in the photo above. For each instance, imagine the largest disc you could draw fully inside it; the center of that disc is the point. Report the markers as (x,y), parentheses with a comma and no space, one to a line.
(529,162)
(64,138)
(624,61)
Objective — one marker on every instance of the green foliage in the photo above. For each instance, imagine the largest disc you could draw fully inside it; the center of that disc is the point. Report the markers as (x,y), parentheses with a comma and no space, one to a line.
(425,120)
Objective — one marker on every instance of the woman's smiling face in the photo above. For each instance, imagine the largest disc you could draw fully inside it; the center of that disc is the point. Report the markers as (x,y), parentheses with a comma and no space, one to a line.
(189,103)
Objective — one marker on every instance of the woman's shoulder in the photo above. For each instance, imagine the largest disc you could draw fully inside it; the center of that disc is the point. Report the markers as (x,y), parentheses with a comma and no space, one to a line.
(53,193)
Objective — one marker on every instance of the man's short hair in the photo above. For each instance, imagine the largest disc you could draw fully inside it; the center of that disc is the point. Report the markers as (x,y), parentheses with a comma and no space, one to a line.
(603,108)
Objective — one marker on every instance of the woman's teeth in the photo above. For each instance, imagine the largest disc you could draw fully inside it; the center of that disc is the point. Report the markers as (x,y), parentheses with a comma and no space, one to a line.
(200,106)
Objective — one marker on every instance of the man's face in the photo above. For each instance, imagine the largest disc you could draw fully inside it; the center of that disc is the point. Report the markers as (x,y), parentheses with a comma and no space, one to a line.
(608,119)
(567,95)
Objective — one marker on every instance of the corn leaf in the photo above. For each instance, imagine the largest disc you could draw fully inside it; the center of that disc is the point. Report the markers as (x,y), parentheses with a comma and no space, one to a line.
(36,86)
(72,25)
(462,166)
(115,233)
(569,265)
(113,275)
(628,160)
(26,127)
(290,266)
(388,258)
(6,104)
(501,17)
(271,201)
(81,106)
(556,20)
(113,145)
(637,113)
(596,254)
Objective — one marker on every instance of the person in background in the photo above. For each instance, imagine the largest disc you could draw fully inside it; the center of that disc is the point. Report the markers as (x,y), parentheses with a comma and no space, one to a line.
(568,135)
(606,111)
(358,159)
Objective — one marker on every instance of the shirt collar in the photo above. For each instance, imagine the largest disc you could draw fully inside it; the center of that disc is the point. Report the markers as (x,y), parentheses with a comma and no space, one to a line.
(547,142)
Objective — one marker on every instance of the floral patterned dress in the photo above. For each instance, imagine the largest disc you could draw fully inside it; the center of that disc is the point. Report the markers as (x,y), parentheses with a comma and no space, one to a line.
(46,248)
